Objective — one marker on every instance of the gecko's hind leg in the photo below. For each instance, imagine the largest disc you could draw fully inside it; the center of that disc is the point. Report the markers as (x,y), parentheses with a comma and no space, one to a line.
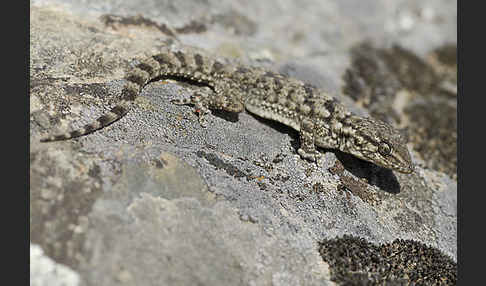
(307,149)
(199,99)
(206,99)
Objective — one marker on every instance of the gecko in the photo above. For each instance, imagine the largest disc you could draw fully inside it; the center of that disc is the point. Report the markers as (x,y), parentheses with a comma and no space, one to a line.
(321,120)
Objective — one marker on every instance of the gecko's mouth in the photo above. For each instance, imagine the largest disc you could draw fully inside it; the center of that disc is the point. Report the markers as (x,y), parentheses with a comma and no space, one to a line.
(406,169)
(390,162)
(402,167)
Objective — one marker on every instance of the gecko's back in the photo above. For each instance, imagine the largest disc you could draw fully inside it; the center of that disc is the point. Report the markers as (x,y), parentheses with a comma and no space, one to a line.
(320,119)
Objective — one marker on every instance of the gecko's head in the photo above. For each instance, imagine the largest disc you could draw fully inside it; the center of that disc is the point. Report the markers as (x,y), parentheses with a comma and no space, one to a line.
(381,144)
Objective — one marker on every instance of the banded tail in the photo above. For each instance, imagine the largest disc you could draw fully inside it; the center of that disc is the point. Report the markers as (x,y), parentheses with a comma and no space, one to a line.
(191,66)
(106,119)
(129,93)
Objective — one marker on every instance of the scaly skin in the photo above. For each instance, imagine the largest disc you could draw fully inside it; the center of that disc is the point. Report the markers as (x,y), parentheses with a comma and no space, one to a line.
(320,119)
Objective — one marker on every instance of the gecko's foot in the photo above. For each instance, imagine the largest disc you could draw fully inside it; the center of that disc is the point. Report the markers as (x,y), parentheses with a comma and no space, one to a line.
(199,101)
(312,156)
(202,113)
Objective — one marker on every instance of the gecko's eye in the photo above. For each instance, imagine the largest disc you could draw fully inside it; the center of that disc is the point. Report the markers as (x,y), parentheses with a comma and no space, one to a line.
(384,149)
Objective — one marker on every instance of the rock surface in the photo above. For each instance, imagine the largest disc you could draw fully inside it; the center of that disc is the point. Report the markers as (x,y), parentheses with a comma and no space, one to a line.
(154,199)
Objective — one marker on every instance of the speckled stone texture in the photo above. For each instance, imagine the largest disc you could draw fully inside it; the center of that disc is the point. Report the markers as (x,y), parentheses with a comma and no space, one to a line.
(157,200)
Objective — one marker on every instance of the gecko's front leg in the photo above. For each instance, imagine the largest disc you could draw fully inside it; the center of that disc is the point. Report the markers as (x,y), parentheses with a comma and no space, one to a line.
(307,149)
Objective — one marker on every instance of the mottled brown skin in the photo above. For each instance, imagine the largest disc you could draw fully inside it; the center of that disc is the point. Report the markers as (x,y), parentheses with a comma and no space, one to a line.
(320,119)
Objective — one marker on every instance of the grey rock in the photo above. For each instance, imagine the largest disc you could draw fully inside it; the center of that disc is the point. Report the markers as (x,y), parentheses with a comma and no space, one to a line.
(154,199)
